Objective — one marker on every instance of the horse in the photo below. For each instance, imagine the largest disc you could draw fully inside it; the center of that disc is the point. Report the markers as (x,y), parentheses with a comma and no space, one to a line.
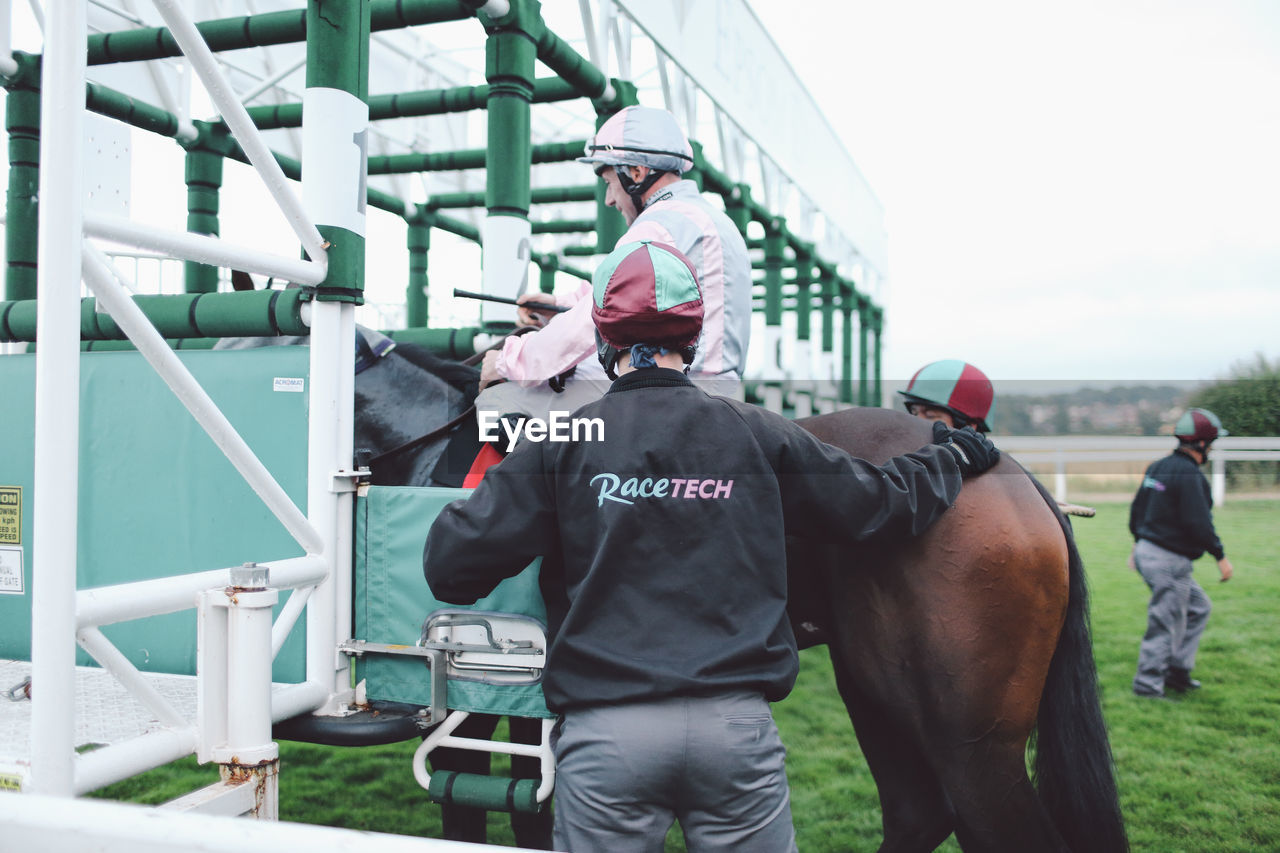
(954,650)
(409,404)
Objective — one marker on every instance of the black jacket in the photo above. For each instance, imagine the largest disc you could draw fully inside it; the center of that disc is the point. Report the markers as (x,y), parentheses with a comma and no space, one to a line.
(1174,508)
(664,567)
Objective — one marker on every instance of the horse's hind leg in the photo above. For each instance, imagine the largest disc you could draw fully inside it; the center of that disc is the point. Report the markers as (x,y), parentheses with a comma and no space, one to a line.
(995,804)
(914,809)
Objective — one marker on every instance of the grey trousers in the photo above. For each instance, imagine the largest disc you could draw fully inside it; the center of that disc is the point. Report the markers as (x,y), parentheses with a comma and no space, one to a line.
(625,773)
(1176,616)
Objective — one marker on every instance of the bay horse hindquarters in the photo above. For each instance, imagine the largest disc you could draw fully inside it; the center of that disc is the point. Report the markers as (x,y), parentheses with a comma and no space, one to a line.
(951,648)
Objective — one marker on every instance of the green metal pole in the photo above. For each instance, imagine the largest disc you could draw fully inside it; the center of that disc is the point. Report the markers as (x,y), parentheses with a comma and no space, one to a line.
(204,180)
(775,244)
(848,301)
(827,279)
(737,206)
(542,195)
(878,327)
(22,121)
(108,102)
(472,158)
(413,104)
(511,50)
(563,226)
(418,236)
(181,315)
(547,266)
(338,89)
(864,328)
(804,307)
(271,28)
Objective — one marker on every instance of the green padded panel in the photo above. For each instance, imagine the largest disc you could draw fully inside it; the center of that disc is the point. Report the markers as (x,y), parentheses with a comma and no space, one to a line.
(157,497)
(392,601)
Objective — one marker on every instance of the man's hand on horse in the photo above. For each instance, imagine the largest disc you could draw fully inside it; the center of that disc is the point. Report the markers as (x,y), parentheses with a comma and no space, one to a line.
(973,451)
(489,369)
(526,317)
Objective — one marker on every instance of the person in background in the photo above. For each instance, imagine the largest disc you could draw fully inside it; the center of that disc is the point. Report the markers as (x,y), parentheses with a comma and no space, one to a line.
(664,572)
(640,154)
(1171,520)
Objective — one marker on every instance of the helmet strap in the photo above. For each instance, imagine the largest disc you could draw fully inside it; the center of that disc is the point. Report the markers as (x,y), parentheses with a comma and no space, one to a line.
(636,191)
(608,356)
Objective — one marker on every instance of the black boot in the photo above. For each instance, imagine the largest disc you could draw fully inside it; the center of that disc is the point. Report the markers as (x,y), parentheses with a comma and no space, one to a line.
(1180,680)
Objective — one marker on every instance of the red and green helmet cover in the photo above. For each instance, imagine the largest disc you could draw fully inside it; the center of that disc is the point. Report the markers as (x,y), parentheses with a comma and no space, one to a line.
(647,292)
(956,386)
(1199,425)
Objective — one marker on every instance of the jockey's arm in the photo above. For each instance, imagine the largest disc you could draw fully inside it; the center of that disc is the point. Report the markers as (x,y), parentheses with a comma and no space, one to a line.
(477,542)
(564,341)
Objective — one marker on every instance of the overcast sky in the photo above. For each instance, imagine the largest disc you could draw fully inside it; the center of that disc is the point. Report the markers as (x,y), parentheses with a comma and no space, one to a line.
(1073,191)
(1083,190)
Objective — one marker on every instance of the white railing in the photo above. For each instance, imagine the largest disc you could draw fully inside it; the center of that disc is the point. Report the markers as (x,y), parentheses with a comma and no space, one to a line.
(62,615)
(47,823)
(1078,451)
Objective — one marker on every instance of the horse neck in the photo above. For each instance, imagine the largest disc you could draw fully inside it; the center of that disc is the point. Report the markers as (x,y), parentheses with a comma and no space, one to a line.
(396,402)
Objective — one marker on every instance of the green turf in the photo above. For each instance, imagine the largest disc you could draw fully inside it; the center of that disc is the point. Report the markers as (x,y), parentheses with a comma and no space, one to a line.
(1198,774)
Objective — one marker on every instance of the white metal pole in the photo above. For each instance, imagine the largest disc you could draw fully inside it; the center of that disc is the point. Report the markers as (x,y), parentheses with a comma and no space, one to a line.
(249,678)
(7,63)
(165,362)
(272,80)
(242,127)
(1060,478)
(114,661)
(1219,480)
(332,352)
(57,410)
(198,247)
(108,604)
(129,758)
(288,617)
(290,700)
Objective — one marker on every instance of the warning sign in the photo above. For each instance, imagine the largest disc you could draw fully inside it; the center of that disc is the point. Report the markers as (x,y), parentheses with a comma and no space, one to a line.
(10,515)
(11,571)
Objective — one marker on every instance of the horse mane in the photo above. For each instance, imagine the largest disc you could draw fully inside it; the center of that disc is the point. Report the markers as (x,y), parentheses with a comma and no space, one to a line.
(461,376)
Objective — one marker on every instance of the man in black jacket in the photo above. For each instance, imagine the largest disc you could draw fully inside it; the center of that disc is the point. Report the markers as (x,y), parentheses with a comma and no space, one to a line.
(1171,520)
(664,572)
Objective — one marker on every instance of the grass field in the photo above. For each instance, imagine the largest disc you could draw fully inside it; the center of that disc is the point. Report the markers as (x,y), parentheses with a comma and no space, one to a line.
(1199,774)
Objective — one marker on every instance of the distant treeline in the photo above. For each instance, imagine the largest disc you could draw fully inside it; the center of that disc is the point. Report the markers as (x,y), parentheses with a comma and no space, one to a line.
(1123,410)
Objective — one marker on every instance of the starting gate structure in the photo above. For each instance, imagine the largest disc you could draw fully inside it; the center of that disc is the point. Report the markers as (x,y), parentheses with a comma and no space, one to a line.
(124,533)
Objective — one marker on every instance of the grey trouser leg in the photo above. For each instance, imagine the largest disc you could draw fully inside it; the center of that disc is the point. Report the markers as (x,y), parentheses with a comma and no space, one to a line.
(1176,616)
(624,773)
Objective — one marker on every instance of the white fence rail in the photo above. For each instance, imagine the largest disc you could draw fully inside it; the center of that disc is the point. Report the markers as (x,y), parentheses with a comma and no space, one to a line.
(45,823)
(1067,451)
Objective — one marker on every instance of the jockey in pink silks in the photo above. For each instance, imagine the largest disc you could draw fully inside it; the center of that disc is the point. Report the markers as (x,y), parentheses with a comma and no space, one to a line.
(640,153)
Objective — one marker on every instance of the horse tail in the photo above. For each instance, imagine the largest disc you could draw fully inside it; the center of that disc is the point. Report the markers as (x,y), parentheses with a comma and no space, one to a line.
(1074,771)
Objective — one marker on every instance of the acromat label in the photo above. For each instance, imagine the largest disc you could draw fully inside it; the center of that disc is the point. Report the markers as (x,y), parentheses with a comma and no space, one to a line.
(286,383)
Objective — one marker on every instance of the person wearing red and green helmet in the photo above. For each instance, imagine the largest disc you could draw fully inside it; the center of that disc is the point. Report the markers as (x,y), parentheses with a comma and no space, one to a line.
(664,572)
(640,154)
(952,391)
(1171,520)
